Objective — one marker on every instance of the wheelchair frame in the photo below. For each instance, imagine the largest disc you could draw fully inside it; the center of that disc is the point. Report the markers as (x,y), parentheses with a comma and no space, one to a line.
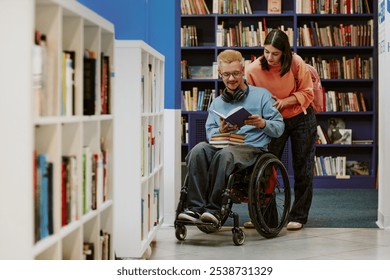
(264,187)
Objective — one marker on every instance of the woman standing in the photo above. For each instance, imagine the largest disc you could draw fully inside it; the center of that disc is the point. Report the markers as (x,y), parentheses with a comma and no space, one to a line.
(286,76)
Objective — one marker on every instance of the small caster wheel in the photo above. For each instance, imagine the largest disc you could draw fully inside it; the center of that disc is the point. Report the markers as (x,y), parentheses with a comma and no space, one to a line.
(147,253)
(238,237)
(181,232)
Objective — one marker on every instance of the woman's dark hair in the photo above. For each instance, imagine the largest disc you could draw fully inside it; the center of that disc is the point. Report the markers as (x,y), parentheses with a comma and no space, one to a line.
(278,39)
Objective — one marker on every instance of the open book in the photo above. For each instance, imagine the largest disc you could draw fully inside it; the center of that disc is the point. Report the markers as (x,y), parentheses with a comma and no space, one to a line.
(236,116)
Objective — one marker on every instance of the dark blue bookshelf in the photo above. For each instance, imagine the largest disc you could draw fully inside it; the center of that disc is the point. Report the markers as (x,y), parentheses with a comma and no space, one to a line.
(363,124)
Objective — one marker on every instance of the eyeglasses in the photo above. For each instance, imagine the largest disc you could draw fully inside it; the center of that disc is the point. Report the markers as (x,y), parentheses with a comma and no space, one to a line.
(227,75)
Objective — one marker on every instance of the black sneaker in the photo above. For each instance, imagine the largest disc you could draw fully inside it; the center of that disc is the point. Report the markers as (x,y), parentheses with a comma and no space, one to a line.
(210,218)
(188,215)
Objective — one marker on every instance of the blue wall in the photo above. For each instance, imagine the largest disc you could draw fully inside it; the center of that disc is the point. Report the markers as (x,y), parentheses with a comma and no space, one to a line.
(157,22)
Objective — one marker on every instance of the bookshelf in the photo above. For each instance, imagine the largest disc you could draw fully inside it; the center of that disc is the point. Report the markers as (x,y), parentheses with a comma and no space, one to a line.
(47,218)
(295,18)
(139,132)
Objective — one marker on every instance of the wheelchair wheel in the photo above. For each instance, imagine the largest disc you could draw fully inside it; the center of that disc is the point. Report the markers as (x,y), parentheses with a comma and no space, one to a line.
(180,232)
(238,237)
(269,195)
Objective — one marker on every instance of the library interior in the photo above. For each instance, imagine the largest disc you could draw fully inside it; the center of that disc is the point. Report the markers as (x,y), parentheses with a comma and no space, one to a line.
(103,100)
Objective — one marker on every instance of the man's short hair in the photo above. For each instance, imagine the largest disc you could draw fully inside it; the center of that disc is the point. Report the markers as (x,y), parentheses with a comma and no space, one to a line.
(229,56)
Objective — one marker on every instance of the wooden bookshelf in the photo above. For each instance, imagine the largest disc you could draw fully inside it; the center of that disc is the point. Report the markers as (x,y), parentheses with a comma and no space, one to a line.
(297,20)
(45,211)
(139,162)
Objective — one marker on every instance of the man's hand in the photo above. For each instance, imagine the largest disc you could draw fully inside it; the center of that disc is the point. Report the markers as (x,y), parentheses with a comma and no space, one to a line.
(256,121)
(226,127)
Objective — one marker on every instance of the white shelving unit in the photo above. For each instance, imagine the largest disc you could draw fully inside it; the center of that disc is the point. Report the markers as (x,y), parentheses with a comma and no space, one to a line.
(70,26)
(138,131)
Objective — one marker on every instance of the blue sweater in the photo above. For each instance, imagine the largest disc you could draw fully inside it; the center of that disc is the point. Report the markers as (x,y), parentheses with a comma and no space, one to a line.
(258,102)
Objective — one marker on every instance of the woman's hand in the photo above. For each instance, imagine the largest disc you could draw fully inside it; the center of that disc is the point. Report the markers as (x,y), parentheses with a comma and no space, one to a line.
(281,103)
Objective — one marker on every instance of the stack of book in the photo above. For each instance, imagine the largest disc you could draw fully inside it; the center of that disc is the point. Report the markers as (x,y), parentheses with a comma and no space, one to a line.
(221,140)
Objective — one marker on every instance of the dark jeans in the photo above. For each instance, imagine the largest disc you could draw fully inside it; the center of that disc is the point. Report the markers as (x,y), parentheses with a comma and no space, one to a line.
(208,171)
(302,131)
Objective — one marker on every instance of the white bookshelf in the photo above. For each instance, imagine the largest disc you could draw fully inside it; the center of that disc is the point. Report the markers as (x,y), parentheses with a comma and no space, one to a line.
(68,25)
(139,170)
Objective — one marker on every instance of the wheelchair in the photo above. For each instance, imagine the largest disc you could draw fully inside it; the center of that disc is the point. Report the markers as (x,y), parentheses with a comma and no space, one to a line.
(264,187)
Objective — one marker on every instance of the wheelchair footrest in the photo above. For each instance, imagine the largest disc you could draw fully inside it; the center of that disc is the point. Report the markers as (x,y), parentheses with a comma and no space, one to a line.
(191,223)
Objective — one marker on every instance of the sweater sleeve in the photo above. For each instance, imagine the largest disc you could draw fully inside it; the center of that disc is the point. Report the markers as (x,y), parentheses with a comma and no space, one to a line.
(304,92)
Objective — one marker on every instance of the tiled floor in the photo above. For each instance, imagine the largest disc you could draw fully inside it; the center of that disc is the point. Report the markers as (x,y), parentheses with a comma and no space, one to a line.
(306,244)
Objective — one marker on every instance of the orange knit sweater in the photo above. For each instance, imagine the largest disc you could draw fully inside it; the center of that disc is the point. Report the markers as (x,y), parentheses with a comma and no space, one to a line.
(282,87)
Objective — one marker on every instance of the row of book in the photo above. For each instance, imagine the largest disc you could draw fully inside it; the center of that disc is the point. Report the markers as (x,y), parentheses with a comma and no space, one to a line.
(189,36)
(197,100)
(199,7)
(336,101)
(247,36)
(332,6)
(339,166)
(94,188)
(44,87)
(194,7)
(343,68)
(152,211)
(340,35)
(239,7)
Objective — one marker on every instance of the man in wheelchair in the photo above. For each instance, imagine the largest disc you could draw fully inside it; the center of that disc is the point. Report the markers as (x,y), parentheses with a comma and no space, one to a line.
(208,166)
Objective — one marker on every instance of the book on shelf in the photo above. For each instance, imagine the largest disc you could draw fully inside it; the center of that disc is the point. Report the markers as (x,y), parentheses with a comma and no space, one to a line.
(87,179)
(39,56)
(68,83)
(237,116)
(50,197)
(36,196)
(104,243)
(105,84)
(354,167)
(274,6)
(68,189)
(89,76)
(322,136)
(43,203)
